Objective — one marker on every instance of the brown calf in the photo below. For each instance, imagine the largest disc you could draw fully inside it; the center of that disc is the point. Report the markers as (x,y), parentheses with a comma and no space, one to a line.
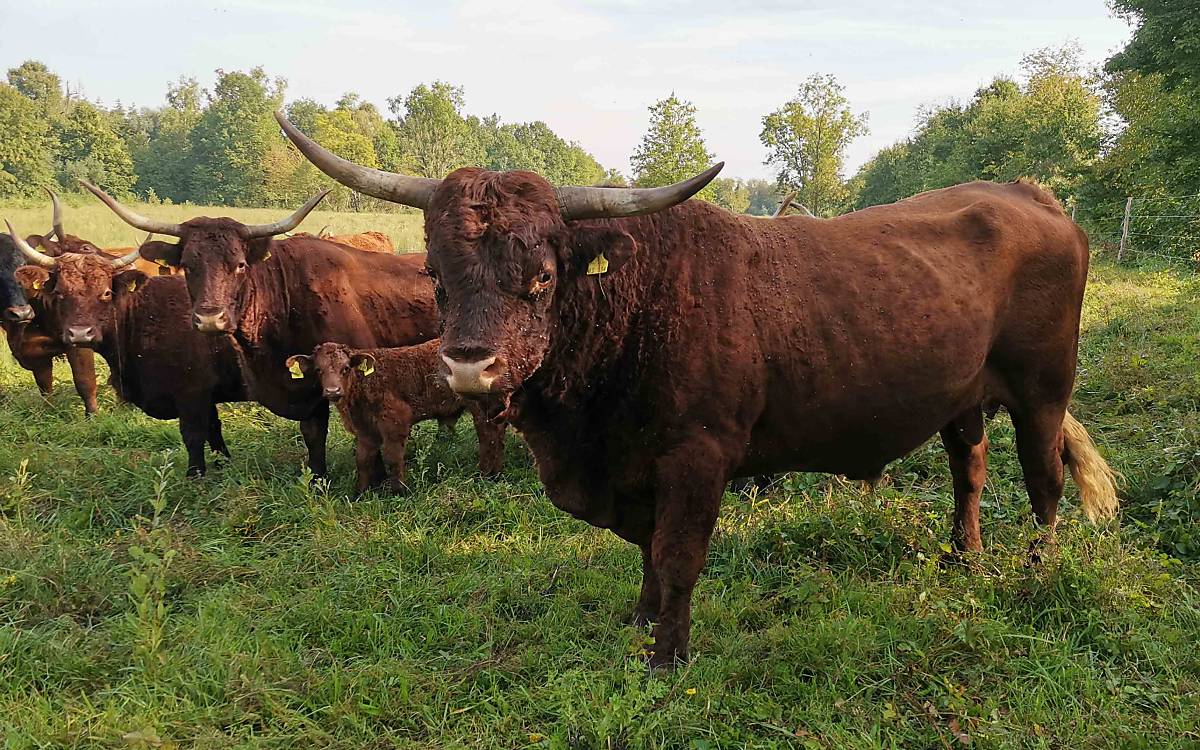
(382,393)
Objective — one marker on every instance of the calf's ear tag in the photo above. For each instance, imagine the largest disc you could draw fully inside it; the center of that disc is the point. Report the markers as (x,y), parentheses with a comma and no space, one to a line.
(598,266)
(294,369)
(366,368)
(267,255)
(37,284)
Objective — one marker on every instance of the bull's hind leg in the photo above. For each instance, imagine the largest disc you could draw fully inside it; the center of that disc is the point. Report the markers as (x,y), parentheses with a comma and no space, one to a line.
(1040,449)
(194,427)
(650,598)
(83,374)
(966,447)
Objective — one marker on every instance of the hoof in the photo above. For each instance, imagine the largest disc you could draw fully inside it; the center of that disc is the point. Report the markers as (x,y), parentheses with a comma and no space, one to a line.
(641,619)
(666,663)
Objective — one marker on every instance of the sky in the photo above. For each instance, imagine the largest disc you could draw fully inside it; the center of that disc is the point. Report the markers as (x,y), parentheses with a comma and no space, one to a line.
(588,68)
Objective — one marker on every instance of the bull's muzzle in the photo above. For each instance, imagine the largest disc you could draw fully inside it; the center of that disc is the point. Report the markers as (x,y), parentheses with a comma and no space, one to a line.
(18,314)
(473,377)
(211,320)
(82,335)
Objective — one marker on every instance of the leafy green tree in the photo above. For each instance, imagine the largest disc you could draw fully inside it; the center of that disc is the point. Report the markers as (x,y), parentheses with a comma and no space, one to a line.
(88,148)
(806,140)
(25,145)
(673,147)
(614,178)
(370,123)
(763,197)
(434,136)
(232,138)
(559,161)
(1166,40)
(731,194)
(303,114)
(160,142)
(36,82)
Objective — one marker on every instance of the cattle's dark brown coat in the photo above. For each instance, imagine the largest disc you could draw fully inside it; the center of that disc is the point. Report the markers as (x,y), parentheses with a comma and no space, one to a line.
(382,393)
(283,297)
(719,345)
(142,327)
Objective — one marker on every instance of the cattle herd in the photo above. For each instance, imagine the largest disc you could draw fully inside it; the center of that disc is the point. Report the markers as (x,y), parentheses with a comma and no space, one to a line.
(648,348)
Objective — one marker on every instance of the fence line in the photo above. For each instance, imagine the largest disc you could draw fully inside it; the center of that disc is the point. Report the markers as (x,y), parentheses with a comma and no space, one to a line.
(1161,226)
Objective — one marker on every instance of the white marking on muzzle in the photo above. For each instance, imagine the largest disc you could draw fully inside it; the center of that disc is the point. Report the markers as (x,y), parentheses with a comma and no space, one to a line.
(469,377)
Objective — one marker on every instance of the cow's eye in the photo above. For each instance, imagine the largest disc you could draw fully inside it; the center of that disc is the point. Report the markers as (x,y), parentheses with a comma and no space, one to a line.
(544,277)
(106,295)
(241,266)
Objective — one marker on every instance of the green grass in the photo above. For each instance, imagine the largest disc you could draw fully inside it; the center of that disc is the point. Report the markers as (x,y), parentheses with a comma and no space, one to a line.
(259,611)
(86,217)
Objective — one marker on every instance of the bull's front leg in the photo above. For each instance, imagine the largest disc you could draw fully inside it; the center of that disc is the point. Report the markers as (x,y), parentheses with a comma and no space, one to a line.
(690,482)
(83,374)
(315,428)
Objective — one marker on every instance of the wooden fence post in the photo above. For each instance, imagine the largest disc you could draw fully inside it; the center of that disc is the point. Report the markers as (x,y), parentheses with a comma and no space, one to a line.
(1125,228)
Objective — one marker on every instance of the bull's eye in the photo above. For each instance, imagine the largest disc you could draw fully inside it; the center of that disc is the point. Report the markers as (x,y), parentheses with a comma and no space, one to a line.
(241,266)
(544,278)
(106,295)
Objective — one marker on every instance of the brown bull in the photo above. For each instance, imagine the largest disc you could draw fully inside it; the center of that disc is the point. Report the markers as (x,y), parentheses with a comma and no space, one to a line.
(21,318)
(141,325)
(283,297)
(648,360)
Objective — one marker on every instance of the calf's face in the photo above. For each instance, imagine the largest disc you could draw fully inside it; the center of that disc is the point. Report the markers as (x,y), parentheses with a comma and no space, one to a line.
(334,365)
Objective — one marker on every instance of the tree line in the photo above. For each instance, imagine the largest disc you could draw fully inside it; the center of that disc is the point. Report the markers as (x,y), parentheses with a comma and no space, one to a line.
(1091,136)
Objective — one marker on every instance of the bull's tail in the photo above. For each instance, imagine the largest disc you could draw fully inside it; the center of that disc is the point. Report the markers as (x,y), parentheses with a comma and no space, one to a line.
(1097,482)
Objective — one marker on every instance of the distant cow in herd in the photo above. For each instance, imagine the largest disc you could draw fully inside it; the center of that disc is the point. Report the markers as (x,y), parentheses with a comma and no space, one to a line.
(382,393)
(650,348)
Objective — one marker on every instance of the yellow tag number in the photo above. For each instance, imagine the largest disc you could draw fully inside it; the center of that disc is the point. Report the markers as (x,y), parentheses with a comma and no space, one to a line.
(366,368)
(133,286)
(267,256)
(598,266)
(294,369)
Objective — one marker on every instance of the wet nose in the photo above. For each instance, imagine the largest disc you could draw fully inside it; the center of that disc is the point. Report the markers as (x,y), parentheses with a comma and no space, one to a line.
(82,335)
(210,320)
(18,314)
(472,375)
(333,393)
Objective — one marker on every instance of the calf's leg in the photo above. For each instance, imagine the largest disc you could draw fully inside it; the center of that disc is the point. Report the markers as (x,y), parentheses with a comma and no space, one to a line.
(491,444)
(83,373)
(367,460)
(394,443)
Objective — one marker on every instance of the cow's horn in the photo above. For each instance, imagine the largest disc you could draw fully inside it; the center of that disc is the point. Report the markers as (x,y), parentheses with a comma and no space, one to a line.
(35,257)
(783,205)
(288,224)
(133,219)
(129,258)
(611,203)
(388,186)
(57,231)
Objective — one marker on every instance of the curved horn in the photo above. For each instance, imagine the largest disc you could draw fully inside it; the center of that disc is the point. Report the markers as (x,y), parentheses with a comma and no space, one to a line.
(288,224)
(783,205)
(389,186)
(35,257)
(129,258)
(611,203)
(133,219)
(324,232)
(57,231)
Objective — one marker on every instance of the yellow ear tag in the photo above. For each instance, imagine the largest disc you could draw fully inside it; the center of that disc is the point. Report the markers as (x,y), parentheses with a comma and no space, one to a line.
(598,266)
(133,286)
(162,263)
(294,369)
(267,256)
(365,369)
(37,284)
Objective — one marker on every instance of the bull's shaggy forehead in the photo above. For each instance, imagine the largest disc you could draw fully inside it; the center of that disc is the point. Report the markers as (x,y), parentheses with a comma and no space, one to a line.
(479,213)
(79,273)
(219,236)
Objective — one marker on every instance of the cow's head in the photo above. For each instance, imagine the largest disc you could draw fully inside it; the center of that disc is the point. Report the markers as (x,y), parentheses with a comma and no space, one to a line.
(335,365)
(14,304)
(214,254)
(77,289)
(500,246)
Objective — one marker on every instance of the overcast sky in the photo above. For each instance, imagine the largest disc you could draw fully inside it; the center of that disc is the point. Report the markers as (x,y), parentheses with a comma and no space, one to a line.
(589,68)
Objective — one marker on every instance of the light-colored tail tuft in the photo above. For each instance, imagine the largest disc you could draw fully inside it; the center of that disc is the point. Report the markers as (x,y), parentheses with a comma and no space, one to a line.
(1097,482)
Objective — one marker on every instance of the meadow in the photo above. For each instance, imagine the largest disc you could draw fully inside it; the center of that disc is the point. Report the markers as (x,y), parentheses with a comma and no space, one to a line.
(255,608)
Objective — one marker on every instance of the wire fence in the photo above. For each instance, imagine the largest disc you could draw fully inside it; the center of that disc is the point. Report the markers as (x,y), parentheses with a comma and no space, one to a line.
(1162,227)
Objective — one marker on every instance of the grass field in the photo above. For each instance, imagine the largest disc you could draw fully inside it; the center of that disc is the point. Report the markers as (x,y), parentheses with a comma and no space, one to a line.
(86,217)
(251,609)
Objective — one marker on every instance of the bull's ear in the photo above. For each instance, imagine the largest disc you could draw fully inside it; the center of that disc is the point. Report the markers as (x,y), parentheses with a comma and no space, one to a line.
(298,365)
(259,249)
(129,282)
(596,251)
(162,253)
(33,279)
(364,363)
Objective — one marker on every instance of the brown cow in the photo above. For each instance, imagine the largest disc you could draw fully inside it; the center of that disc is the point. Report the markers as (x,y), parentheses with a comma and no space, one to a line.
(374,242)
(382,393)
(647,360)
(141,325)
(283,297)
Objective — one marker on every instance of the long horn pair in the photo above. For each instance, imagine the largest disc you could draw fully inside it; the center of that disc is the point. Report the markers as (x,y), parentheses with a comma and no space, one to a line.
(154,226)
(34,256)
(574,202)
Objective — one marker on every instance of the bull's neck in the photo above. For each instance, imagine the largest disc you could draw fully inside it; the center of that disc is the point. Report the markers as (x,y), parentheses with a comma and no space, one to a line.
(263,303)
